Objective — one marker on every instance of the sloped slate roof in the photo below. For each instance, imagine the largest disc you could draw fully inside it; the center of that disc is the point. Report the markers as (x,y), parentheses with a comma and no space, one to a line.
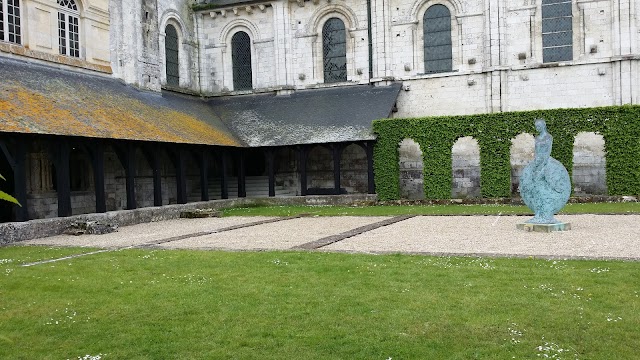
(39,99)
(338,114)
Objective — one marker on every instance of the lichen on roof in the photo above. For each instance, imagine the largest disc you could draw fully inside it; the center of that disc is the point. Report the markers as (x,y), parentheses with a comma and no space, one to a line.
(34,99)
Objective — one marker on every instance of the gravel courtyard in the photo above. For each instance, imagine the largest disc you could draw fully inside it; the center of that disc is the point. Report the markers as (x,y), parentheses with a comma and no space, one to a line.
(592,236)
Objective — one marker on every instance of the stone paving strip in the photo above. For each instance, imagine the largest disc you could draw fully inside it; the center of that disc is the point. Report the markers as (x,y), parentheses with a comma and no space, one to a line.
(275,236)
(591,236)
(151,233)
(350,233)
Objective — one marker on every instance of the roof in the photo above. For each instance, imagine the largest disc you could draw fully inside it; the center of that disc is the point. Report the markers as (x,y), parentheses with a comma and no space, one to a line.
(39,99)
(336,114)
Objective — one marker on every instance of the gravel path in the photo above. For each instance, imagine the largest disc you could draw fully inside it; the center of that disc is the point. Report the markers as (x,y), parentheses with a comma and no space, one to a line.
(592,236)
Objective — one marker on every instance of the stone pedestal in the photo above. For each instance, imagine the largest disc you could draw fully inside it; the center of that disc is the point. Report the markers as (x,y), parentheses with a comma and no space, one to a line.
(544,227)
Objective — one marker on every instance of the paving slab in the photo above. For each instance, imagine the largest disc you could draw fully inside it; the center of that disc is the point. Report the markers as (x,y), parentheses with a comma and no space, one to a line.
(592,236)
(146,233)
(281,235)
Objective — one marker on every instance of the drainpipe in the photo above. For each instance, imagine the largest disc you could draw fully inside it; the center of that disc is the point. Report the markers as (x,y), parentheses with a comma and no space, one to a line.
(370,40)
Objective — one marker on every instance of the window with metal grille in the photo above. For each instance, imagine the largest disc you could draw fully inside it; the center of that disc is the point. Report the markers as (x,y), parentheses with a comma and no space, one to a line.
(10,27)
(334,51)
(241,60)
(68,28)
(437,40)
(557,31)
(172,63)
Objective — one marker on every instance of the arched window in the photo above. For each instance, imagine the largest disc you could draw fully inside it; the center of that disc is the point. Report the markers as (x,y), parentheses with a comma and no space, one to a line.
(437,40)
(171,50)
(68,28)
(241,60)
(557,31)
(334,51)
(10,21)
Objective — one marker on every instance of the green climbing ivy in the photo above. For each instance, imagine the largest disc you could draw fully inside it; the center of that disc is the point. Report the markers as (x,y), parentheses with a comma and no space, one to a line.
(619,125)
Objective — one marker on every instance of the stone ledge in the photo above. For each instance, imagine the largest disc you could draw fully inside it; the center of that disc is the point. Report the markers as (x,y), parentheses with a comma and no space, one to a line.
(33,229)
(546,228)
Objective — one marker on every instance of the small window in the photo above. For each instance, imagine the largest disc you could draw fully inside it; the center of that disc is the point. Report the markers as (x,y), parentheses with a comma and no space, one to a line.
(172,63)
(438,56)
(10,26)
(241,60)
(334,51)
(557,31)
(68,28)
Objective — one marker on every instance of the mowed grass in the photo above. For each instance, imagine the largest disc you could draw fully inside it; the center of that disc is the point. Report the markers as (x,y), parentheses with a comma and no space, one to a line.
(392,210)
(145,304)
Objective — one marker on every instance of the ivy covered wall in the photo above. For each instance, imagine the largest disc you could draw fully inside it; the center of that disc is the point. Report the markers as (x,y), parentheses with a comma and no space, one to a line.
(619,125)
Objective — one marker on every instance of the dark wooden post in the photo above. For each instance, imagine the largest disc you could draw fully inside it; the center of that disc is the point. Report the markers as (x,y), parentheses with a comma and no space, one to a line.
(204,175)
(96,152)
(302,154)
(61,154)
(371,182)
(242,180)
(224,187)
(271,172)
(336,150)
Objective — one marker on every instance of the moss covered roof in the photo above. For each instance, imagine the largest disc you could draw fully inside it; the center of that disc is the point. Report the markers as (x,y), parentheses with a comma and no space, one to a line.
(39,99)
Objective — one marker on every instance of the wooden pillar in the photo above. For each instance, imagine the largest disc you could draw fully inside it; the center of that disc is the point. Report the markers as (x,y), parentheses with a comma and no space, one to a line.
(224,187)
(242,179)
(61,154)
(204,175)
(302,154)
(370,179)
(271,171)
(96,152)
(336,150)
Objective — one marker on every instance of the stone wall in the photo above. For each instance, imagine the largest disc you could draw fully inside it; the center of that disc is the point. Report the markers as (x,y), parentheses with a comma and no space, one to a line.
(411,174)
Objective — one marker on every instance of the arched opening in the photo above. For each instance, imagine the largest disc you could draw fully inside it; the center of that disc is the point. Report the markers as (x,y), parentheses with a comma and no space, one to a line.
(334,51)
(465,165)
(438,55)
(115,181)
(286,172)
(241,61)
(353,166)
(83,196)
(589,175)
(411,174)
(320,171)
(172,55)
(144,180)
(522,152)
(69,28)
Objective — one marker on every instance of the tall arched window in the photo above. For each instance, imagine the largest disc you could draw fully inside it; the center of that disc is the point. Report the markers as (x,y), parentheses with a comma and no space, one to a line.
(171,49)
(10,21)
(68,28)
(557,31)
(437,40)
(334,51)
(241,59)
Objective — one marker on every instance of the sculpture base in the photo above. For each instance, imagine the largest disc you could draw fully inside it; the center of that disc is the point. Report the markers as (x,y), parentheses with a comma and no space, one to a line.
(544,227)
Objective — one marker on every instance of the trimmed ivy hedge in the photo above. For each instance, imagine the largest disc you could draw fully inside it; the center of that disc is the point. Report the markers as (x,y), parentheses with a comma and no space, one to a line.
(619,125)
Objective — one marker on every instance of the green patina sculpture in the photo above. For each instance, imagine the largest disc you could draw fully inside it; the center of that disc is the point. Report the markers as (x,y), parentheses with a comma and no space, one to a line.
(545,186)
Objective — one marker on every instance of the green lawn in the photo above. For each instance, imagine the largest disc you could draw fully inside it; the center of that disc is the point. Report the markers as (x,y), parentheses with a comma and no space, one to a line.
(384,210)
(143,304)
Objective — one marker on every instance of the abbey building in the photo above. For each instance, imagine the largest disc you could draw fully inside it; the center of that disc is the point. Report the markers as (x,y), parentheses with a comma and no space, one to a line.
(108,105)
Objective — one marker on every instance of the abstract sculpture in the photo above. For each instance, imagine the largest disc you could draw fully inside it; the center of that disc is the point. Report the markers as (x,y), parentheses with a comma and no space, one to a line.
(544,185)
